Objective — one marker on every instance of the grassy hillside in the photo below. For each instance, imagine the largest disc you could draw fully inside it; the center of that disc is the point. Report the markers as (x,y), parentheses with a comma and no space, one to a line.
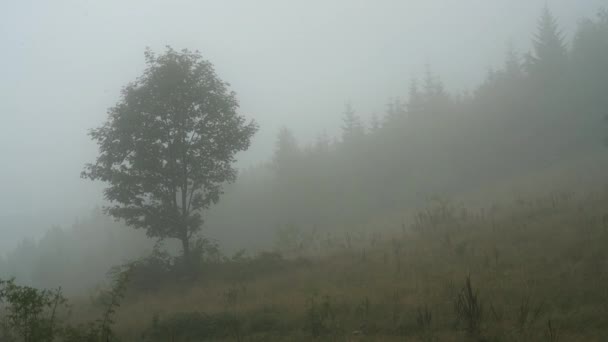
(537,269)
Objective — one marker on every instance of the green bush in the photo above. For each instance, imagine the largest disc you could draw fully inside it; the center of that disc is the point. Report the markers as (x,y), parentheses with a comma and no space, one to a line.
(29,315)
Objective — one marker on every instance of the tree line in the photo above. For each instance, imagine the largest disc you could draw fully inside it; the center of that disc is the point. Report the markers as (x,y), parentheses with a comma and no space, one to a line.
(539,109)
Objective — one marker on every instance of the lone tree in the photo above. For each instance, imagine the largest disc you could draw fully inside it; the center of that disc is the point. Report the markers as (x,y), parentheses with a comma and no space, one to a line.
(168,146)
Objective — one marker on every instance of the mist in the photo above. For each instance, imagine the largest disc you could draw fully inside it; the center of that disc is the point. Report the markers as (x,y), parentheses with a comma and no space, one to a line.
(290,64)
(371,125)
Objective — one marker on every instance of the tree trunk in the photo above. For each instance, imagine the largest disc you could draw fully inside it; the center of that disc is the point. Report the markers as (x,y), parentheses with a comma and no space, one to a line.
(186,250)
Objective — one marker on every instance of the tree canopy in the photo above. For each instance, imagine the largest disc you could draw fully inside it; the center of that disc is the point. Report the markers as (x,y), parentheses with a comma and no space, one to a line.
(169,145)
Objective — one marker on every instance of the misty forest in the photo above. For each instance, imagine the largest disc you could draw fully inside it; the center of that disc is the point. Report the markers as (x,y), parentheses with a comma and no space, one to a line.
(443,212)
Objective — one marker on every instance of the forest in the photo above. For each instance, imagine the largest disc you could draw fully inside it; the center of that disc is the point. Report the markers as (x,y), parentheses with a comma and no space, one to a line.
(447,216)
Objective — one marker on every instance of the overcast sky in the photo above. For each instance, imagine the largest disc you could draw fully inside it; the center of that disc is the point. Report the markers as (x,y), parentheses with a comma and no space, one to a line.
(291,63)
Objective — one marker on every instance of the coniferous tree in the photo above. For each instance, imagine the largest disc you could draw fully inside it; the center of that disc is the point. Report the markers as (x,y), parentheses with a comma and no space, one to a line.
(287,153)
(436,99)
(590,64)
(550,52)
(415,104)
(433,86)
(513,64)
(352,128)
(395,114)
(590,45)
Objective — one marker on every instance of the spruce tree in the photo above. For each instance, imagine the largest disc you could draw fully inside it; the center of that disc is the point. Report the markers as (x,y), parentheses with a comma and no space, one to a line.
(352,129)
(550,52)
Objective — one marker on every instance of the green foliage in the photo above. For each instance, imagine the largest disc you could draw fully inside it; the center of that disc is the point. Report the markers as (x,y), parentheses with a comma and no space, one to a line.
(150,273)
(101,330)
(120,277)
(168,146)
(30,315)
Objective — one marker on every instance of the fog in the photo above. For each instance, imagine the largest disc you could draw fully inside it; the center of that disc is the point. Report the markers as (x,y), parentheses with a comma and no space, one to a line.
(292,64)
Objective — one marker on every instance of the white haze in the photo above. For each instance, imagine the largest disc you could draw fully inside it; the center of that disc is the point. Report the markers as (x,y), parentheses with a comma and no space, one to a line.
(292,63)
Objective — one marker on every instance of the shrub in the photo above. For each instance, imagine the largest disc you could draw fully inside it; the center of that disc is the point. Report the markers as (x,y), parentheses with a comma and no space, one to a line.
(30,314)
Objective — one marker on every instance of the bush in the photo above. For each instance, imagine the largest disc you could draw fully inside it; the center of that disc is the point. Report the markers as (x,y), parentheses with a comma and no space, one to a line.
(30,315)
(148,274)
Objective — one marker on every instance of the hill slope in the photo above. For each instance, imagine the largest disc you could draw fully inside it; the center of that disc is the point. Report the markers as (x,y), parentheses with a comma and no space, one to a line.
(538,269)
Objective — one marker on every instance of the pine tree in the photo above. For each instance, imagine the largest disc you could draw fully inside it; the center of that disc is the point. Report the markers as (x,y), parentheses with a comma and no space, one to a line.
(415,104)
(436,99)
(590,46)
(429,82)
(550,52)
(286,153)
(590,62)
(352,129)
(395,113)
(513,65)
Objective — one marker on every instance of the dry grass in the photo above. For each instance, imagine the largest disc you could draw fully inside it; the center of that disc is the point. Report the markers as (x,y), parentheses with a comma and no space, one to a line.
(531,263)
